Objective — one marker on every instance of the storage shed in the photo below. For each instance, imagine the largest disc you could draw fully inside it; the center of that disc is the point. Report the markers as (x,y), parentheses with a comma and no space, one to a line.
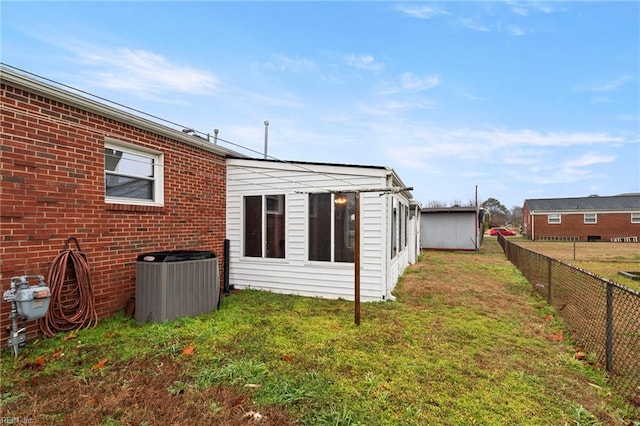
(451,228)
(291,227)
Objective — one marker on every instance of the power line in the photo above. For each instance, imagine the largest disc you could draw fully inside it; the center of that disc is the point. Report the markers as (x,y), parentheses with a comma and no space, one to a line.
(194,132)
(93,95)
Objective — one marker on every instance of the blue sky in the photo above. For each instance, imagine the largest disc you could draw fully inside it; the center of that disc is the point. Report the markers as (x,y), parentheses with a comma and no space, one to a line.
(522,99)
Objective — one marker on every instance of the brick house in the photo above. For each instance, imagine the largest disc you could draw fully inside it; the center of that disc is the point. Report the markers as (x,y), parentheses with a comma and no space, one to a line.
(594,218)
(121,184)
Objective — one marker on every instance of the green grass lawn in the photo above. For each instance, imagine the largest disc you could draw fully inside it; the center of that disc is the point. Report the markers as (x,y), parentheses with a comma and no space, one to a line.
(601,258)
(466,343)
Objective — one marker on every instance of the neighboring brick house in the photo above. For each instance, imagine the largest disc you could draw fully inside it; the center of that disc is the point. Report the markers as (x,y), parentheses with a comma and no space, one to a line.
(121,184)
(594,218)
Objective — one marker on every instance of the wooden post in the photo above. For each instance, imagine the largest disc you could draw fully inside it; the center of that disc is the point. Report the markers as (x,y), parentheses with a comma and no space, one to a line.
(356,263)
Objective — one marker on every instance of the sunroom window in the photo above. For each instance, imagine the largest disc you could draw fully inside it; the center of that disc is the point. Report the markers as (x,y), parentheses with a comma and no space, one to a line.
(264,226)
(332,227)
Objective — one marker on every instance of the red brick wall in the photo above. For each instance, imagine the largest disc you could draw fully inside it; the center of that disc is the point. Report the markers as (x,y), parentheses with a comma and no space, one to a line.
(52,188)
(526,221)
(610,225)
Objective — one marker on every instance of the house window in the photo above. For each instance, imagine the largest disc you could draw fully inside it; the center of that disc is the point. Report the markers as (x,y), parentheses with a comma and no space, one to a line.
(394,233)
(132,175)
(406,227)
(332,227)
(590,218)
(264,226)
(554,218)
(405,221)
(635,217)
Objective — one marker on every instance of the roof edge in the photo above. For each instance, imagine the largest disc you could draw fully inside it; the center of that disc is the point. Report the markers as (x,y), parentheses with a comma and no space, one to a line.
(21,81)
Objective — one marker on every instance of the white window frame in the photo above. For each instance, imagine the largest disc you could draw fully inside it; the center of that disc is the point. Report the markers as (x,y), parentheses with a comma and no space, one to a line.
(264,212)
(588,218)
(332,238)
(635,217)
(158,173)
(554,218)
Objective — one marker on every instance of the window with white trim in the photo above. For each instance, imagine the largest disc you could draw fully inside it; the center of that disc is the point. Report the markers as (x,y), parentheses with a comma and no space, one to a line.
(132,175)
(554,218)
(590,218)
(332,227)
(264,226)
(635,217)
(394,232)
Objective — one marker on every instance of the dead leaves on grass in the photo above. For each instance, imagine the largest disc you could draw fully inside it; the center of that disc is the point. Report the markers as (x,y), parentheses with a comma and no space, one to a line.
(69,336)
(143,398)
(558,337)
(100,364)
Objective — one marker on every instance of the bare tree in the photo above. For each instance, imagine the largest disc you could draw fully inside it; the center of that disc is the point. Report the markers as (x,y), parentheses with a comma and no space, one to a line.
(515,216)
(435,204)
(497,212)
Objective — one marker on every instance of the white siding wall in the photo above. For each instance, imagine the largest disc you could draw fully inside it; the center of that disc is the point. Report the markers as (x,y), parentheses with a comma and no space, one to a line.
(397,265)
(295,274)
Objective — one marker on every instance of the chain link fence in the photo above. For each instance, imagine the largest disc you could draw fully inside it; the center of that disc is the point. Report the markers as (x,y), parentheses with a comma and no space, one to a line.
(602,316)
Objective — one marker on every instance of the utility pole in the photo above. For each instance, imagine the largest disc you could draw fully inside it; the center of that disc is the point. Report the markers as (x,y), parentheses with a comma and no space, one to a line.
(477,219)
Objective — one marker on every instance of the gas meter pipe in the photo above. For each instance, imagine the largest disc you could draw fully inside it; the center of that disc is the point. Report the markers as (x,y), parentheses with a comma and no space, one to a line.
(72,302)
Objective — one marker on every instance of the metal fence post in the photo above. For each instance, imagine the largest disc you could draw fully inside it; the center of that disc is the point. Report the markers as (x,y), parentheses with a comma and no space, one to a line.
(609,337)
(549,260)
(624,367)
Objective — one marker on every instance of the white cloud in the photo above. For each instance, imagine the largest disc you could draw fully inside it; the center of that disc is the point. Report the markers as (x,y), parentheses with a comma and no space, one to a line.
(526,8)
(283,99)
(393,107)
(410,81)
(606,86)
(495,145)
(519,10)
(144,71)
(285,63)
(516,30)
(552,139)
(472,24)
(421,12)
(601,100)
(589,159)
(468,95)
(629,117)
(364,62)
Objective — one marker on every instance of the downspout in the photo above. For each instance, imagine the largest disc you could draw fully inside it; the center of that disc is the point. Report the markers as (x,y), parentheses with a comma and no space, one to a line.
(533,226)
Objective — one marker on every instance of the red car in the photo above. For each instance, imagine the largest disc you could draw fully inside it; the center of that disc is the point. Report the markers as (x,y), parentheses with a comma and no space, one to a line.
(502,231)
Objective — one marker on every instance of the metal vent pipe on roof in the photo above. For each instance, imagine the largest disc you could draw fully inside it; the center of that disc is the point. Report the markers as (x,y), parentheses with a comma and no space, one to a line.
(266,137)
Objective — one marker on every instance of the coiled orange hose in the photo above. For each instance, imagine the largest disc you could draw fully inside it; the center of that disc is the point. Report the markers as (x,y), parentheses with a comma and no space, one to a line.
(72,303)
